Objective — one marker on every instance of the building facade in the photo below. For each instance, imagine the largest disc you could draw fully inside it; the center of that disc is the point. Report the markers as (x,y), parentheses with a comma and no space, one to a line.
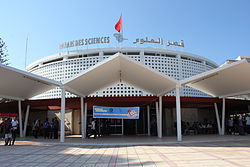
(176,64)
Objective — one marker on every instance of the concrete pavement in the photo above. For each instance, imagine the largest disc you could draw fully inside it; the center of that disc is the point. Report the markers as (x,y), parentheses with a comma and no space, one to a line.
(229,151)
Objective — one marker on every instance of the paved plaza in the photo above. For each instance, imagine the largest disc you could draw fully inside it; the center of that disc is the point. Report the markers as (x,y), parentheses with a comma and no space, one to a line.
(228,151)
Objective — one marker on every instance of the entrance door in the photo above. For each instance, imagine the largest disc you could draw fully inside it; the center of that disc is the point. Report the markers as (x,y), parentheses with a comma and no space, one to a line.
(113,126)
(116,126)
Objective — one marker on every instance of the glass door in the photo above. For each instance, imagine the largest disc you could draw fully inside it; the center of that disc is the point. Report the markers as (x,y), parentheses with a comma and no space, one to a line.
(116,126)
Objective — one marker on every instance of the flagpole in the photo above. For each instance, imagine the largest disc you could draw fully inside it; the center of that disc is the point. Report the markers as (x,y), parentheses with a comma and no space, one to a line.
(121,33)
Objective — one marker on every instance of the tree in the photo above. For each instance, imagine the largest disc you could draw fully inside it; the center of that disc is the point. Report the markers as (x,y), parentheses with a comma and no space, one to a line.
(3,52)
(3,60)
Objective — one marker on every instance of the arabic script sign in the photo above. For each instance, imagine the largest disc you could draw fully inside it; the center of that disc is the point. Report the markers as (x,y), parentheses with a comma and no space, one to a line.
(158,41)
(116,112)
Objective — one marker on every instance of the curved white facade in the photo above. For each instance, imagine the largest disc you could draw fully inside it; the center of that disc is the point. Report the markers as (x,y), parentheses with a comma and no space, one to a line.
(176,64)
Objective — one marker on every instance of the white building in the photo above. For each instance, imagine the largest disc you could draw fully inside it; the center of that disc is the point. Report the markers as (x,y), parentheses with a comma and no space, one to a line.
(176,64)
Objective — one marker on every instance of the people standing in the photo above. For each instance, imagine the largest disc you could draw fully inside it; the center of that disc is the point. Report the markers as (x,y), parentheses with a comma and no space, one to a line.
(36,128)
(52,129)
(7,132)
(93,128)
(56,128)
(3,127)
(46,128)
(241,126)
(14,124)
(236,124)
(40,129)
(248,123)
(230,126)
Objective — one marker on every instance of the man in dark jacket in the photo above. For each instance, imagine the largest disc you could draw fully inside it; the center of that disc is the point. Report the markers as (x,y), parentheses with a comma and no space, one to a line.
(7,132)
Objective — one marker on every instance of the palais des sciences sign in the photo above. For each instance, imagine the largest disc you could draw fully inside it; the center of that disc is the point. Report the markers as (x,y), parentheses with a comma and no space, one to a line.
(107,39)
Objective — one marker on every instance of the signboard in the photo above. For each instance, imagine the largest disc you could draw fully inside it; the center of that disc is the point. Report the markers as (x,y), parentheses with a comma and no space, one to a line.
(116,112)
(119,38)
(158,41)
(85,41)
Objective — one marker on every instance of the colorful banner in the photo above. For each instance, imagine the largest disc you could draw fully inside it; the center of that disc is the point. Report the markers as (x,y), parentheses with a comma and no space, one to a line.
(116,112)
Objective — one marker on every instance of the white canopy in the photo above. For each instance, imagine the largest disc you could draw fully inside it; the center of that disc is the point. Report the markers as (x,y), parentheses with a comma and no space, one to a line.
(18,85)
(119,68)
(228,80)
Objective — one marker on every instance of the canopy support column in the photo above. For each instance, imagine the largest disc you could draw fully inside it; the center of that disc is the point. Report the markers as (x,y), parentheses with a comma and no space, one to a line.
(148,113)
(26,120)
(82,118)
(85,119)
(157,117)
(62,136)
(223,116)
(178,113)
(160,117)
(20,118)
(217,118)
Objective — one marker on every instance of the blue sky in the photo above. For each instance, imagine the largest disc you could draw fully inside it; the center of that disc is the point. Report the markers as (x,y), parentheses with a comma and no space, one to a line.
(215,29)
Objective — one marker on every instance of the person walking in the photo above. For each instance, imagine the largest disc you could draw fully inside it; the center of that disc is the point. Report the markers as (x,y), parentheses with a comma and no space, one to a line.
(14,124)
(93,128)
(36,128)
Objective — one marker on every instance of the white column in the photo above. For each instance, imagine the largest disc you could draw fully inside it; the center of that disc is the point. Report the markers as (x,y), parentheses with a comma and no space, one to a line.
(20,118)
(178,113)
(223,116)
(157,117)
(26,120)
(160,117)
(62,136)
(82,118)
(148,113)
(217,118)
(85,119)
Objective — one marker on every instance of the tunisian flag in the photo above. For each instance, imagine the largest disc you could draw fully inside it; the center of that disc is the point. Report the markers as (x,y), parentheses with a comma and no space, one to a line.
(118,25)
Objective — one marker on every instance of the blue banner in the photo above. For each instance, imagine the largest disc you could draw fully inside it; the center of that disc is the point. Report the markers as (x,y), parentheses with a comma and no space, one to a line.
(116,112)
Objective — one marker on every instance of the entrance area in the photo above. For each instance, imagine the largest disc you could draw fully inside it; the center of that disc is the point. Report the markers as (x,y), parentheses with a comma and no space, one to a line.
(195,111)
(108,127)
(114,126)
